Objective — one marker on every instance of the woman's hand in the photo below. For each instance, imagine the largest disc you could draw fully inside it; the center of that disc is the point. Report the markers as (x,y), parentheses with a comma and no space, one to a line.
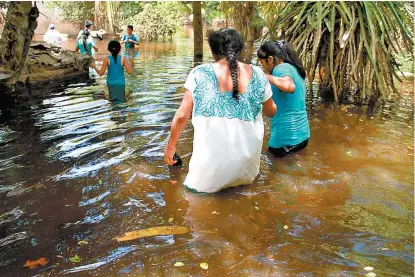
(177,126)
(168,155)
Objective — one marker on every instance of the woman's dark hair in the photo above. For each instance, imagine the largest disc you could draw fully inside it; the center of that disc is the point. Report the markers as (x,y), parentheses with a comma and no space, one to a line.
(228,43)
(114,47)
(281,50)
(84,37)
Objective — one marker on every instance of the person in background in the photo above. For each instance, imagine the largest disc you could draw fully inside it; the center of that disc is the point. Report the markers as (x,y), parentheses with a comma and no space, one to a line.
(88,27)
(115,64)
(52,36)
(85,44)
(290,129)
(130,39)
(92,34)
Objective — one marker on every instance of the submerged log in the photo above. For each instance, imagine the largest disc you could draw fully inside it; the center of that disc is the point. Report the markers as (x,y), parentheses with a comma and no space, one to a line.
(47,67)
(47,61)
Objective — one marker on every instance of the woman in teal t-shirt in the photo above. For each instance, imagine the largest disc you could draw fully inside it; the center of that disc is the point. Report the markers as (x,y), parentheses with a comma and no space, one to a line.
(115,64)
(290,130)
(85,43)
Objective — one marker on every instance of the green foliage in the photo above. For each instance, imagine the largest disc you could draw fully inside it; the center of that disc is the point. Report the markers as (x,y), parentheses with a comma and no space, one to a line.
(212,10)
(129,9)
(120,11)
(73,12)
(184,7)
(157,19)
(246,18)
(353,43)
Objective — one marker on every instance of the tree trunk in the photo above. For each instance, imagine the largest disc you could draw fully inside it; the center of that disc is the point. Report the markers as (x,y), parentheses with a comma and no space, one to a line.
(325,88)
(197,30)
(97,15)
(17,36)
(247,31)
(111,17)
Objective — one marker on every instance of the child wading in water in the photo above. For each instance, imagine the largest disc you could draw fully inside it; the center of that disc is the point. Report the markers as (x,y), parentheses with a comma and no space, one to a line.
(115,64)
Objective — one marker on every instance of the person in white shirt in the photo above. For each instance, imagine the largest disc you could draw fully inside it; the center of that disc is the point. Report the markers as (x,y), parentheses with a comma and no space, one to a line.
(52,36)
(225,99)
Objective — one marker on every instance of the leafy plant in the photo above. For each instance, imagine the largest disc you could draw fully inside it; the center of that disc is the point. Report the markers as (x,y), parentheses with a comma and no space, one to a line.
(245,17)
(212,11)
(157,19)
(355,44)
(73,12)
(128,9)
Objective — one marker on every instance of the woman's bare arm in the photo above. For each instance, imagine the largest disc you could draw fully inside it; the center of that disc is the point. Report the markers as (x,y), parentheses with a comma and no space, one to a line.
(284,84)
(103,68)
(269,107)
(178,125)
(127,66)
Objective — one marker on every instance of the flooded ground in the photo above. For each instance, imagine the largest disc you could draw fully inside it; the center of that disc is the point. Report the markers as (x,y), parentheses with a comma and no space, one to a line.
(78,170)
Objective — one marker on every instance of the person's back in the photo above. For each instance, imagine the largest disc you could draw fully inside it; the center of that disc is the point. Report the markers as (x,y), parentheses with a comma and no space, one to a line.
(115,71)
(85,41)
(115,64)
(226,100)
(228,132)
(290,124)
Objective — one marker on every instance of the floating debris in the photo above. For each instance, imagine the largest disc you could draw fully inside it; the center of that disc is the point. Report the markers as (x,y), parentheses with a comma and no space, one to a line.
(179,264)
(155,231)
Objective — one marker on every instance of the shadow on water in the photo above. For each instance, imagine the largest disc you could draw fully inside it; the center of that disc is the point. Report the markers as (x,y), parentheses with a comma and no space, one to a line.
(84,164)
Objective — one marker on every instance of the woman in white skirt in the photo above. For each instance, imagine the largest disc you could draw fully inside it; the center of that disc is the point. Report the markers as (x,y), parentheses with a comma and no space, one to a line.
(225,99)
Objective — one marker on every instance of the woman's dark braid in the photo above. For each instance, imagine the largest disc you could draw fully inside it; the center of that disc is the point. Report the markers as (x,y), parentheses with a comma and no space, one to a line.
(228,44)
(85,35)
(233,65)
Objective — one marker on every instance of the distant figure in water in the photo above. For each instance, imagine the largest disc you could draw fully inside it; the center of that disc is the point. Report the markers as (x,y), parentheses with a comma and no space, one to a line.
(85,44)
(95,34)
(52,36)
(131,40)
(88,38)
(115,64)
(225,99)
(290,130)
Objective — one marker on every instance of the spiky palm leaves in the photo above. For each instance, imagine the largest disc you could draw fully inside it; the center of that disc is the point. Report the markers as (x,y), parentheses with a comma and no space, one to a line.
(353,43)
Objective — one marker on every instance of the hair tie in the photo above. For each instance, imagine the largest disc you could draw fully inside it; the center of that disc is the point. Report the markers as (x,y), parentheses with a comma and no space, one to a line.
(280,43)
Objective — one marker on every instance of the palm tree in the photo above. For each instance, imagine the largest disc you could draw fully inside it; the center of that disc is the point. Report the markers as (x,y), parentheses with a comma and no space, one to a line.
(354,44)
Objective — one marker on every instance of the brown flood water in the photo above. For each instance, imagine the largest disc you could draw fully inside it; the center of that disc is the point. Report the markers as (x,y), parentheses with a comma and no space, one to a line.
(77,167)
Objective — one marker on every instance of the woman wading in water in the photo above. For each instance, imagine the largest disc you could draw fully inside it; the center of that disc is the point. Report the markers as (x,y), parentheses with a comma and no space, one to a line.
(225,99)
(290,130)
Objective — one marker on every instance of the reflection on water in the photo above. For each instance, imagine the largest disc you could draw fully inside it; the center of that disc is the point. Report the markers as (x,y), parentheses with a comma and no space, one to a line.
(86,166)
